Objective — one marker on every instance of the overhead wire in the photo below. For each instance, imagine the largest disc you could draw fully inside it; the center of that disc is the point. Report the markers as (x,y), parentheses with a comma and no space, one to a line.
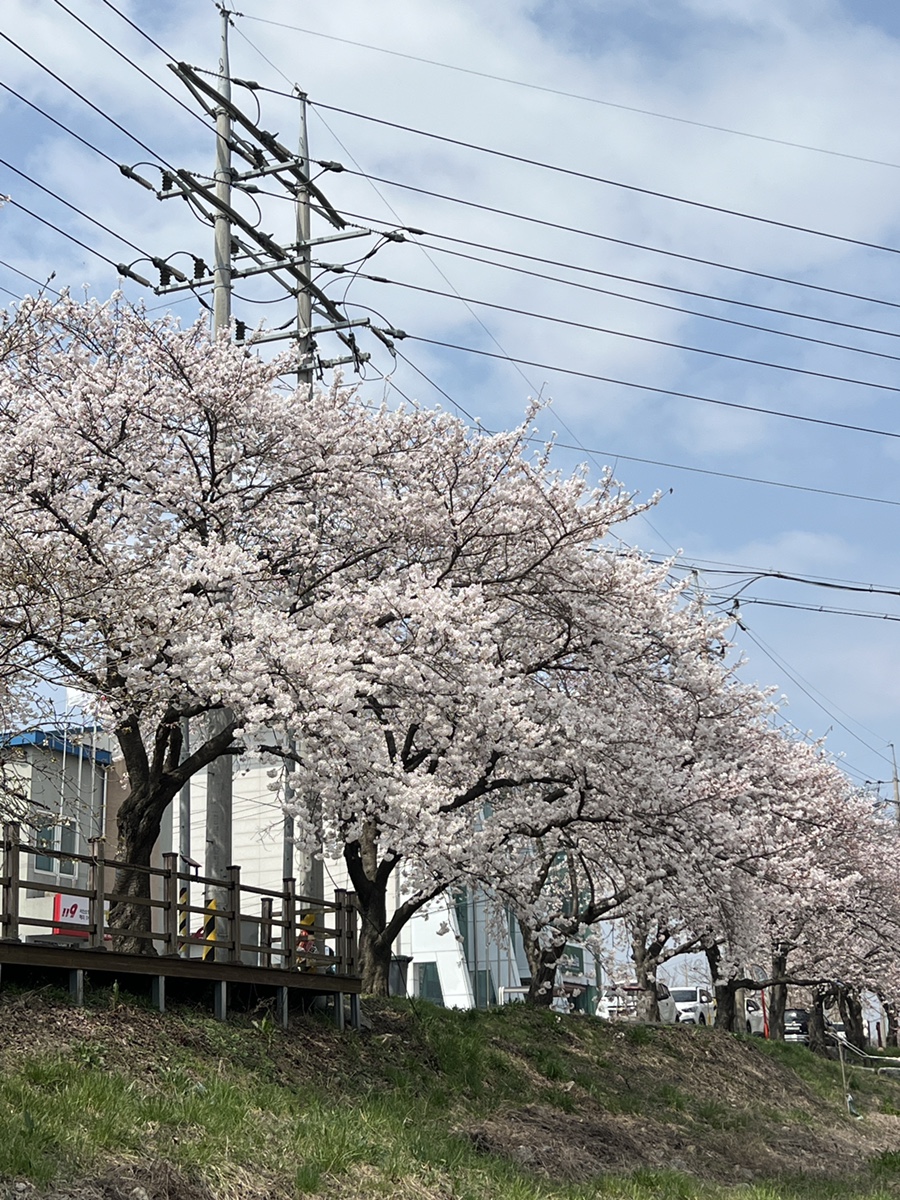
(586,176)
(808,689)
(59,124)
(776,483)
(81,213)
(825,609)
(75,92)
(537,87)
(690,312)
(603,237)
(96,33)
(646,387)
(756,362)
(45,284)
(70,236)
(137,28)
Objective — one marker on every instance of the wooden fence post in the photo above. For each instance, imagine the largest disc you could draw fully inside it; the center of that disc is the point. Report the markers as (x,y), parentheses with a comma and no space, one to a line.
(171,914)
(353,963)
(265,932)
(233,924)
(340,937)
(289,922)
(9,898)
(97,898)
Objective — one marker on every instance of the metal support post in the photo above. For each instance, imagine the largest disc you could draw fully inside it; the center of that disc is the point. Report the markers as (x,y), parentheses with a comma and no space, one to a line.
(158,991)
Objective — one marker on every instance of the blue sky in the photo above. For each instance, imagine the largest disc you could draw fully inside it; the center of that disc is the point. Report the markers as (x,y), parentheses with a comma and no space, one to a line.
(780,112)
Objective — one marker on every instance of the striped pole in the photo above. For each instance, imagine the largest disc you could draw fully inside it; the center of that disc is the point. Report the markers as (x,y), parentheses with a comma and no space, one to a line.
(183,905)
(209,931)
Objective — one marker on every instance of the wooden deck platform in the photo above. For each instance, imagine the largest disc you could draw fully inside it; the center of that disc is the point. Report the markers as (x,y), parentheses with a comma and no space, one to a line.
(255,945)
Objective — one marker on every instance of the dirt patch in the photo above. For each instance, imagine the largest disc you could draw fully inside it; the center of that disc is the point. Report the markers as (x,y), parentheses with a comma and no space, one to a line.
(147,1181)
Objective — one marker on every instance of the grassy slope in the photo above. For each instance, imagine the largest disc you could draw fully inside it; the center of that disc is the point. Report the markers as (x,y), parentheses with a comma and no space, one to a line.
(115,1101)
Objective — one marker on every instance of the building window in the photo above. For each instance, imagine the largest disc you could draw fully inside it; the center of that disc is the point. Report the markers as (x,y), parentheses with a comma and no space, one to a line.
(428,982)
(63,839)
(483,989)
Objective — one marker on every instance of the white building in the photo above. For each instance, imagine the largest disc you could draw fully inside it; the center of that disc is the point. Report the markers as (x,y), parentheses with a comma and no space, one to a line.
(63,775)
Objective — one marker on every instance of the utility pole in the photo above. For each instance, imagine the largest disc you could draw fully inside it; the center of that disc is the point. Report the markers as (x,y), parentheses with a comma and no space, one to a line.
(304,250)
(219,777)
(896,787)
(242,250)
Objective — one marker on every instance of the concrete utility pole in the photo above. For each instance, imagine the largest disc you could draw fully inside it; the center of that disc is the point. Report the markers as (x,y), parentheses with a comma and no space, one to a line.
(243,250)
(304,252)
(219,777)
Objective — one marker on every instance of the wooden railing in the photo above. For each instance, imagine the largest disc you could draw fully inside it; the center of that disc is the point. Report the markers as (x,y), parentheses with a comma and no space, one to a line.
(239,924)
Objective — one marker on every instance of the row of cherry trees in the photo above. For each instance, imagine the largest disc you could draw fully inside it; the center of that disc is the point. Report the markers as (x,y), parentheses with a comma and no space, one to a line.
(433,626)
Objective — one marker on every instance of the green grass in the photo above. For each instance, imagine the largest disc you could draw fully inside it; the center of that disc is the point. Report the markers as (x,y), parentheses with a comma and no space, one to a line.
(418,1107)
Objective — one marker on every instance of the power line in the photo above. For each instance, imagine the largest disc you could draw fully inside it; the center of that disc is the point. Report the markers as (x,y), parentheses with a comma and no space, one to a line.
(777,483)
(595,453)
(646,387)
(614,183)
(131,61)
(536,87)
(85,100)
(71,237)
(74,208)
(603,237)
(60,125)
(873,589)
(648,283)
(638,337)
(819,608)
(45,284)
(799,682)
(138,29)
(676,308)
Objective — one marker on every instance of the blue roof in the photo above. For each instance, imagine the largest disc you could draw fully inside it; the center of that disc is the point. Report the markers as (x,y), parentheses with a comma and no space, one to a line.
(75,742)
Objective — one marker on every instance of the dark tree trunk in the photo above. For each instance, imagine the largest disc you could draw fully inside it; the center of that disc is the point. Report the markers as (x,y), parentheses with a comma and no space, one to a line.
(645,964)
(778,995)
(370,874)
(852,1016)
(890,1033)
(726,1006)
(725,992)
(819,1043)
(369,877)
(155,780)
(542,963)
(139,823)
(374,947)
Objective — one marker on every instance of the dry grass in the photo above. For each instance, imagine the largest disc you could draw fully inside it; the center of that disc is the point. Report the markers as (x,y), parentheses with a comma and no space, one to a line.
(115,1102)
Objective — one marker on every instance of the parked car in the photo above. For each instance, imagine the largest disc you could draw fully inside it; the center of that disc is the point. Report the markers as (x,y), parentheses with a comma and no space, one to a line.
(695,1005)
(796,1025)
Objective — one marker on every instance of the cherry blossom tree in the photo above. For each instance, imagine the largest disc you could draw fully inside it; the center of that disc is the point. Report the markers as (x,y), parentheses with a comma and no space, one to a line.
(157,488)
(389,590)
(426,621)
